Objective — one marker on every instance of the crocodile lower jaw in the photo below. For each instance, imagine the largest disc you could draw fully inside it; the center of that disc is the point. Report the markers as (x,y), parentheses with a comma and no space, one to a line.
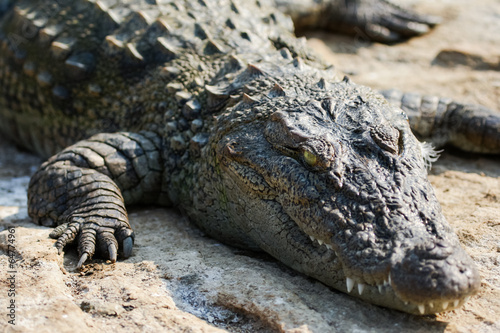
(426,308)
(361,287)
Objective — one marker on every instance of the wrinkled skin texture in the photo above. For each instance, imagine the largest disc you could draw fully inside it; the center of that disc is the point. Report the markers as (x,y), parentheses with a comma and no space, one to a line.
(216,108)
(347,181)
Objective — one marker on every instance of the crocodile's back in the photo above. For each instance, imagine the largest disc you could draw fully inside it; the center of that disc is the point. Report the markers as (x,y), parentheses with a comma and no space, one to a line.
(69,69)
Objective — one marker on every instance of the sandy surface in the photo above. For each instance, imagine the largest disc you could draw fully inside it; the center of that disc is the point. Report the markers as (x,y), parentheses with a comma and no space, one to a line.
(180,281)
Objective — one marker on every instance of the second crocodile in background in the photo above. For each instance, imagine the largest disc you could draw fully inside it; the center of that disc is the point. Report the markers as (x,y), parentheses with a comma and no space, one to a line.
(215,107)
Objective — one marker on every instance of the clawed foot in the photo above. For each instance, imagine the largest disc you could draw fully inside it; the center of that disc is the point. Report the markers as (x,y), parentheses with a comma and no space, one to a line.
(89,236)
(381,20)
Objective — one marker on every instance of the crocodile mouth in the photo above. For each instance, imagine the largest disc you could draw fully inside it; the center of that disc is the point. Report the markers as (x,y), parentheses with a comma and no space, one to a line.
(404,293)
(388,253)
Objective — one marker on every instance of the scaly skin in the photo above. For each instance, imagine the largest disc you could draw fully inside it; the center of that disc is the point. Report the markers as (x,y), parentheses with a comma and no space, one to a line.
(216,108)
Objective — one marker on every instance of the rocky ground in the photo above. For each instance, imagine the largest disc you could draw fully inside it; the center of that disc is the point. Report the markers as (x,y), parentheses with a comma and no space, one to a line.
(180,281)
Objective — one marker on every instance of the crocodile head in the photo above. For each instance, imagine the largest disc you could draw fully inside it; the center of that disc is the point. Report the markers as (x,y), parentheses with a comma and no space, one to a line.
(335,185)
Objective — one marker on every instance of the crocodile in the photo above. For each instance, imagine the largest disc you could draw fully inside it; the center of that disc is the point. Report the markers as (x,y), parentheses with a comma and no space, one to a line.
(217,108)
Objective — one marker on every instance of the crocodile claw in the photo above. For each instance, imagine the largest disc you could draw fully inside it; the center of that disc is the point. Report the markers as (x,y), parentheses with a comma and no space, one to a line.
(397,23)
(404,14)
(82,260)
(127,246)
(89,235)
(112,252)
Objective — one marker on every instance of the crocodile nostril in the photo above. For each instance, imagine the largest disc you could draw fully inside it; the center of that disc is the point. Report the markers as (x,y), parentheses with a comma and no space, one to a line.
(446,273)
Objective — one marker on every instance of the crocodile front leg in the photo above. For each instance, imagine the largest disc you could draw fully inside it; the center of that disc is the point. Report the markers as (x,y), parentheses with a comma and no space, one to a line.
(83,190)
(469,127)
(377,20)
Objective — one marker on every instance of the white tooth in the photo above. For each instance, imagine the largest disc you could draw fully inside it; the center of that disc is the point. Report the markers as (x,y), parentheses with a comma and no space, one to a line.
(431,305)
(455,304)
(312,238)
(320,242)
(385,283)
(379,288)
(329,247)
(466,299)
(361,287)
(350,284)
(421,308)
(389,278)
(445,305)
(406,302)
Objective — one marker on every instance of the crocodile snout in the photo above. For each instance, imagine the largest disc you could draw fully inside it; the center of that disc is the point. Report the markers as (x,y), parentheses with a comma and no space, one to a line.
(435,276)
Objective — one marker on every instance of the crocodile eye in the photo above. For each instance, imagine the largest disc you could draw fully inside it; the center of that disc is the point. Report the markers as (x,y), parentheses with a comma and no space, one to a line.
(386,137)
(310,158)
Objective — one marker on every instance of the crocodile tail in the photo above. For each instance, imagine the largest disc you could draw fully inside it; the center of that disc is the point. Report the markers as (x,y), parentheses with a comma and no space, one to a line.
(442,121)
